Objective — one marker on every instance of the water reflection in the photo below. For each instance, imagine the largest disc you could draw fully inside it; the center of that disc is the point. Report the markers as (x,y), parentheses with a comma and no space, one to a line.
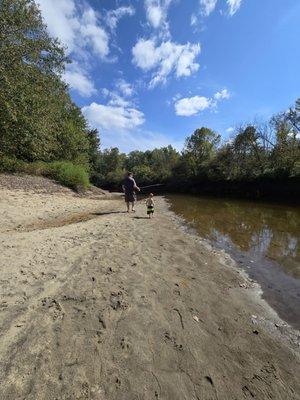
(260,229)
(264,236)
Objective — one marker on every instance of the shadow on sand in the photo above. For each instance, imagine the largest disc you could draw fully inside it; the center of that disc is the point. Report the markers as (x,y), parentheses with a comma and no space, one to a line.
(109,212)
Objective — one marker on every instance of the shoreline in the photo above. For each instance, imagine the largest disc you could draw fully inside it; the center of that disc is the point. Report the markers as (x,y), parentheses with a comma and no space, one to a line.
(118,307)
(255,290)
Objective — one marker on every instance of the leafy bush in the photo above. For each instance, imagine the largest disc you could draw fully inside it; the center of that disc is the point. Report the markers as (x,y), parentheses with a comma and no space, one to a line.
(8,164)
(68,174)
(36,168)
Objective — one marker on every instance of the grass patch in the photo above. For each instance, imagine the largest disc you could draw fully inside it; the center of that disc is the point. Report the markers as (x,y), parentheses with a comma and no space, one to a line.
(65,172)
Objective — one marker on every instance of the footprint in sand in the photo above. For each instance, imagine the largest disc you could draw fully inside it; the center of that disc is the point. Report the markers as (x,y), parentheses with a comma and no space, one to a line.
(54,307)
(117,301)
(125,344)
(172,339)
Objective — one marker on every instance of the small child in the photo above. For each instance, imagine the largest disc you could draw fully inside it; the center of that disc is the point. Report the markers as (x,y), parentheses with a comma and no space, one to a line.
(150,205)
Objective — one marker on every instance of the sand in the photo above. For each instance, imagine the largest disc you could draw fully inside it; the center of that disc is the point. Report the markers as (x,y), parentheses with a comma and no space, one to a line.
(98,304)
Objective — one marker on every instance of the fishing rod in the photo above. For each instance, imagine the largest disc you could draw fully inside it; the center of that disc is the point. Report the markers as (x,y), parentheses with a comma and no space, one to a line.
(146,187)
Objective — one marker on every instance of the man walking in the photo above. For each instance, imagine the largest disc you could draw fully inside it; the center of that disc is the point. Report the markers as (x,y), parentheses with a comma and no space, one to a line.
(129,188)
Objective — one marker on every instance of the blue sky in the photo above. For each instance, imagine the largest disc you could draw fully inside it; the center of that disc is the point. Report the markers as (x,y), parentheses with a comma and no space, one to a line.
(147,73)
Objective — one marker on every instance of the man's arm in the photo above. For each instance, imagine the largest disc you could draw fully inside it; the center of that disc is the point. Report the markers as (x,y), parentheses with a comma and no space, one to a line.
(135,187)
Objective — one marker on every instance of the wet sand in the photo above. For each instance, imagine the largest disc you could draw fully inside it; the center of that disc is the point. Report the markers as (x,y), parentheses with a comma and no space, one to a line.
(98,304)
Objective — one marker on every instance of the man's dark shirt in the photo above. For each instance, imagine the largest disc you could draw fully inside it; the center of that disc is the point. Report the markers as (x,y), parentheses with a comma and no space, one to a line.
(129,184)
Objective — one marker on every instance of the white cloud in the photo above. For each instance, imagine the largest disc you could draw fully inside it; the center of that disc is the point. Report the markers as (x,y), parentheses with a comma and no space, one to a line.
(120,126)
(59,16)
(113,117)
(78,26)
(156,13)
(113,16)
(92,34)
(189,106)
(119,101)
(165,58)
(125,88)
(78,30)
(192,105)
(78,79)
(207,6)
(233,6)
(223,94)
(230,129)
(145,55)
(194,20)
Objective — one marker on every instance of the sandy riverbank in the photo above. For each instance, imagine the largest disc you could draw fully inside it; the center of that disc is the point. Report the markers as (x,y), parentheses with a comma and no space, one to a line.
(98,304)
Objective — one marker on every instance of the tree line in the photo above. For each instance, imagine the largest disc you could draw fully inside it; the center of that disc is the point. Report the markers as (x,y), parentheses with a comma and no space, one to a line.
(256,152)
(43,131)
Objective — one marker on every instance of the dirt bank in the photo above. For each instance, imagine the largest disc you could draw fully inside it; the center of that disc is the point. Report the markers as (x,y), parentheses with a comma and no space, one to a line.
(98,304)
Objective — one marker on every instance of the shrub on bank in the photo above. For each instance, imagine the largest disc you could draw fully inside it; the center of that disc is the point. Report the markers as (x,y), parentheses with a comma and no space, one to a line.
(69,174)
(12,165)
(65,172)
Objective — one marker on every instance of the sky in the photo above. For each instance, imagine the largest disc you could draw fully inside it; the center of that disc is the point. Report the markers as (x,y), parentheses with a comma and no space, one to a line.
(147,73)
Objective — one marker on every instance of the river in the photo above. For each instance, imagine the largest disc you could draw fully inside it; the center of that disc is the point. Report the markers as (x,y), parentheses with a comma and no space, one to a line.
(263,238)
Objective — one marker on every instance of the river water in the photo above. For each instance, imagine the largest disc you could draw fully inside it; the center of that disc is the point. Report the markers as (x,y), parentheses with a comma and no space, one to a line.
(264,239)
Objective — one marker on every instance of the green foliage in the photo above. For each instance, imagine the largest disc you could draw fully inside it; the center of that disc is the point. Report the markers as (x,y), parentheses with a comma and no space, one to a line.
(143,173)
(12,165)
(110,168)
(38,120)
(200,149)
(69,174)
(93,150)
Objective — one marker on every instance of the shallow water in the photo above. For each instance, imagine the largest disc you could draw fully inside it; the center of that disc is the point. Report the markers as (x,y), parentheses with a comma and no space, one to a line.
(263,238)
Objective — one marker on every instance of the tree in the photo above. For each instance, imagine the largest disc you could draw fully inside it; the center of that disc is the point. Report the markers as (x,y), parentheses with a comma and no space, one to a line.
(94,149)
(135,158)
(111,167)
(162,162)
(286,152)
(223,166)
(200,149)
(38,120)
(248,152)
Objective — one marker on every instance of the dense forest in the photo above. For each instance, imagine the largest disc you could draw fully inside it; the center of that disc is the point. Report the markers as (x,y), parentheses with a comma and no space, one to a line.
(39,123)
(42,131)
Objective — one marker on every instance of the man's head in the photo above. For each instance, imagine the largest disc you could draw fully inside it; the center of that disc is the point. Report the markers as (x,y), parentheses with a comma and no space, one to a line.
(129,174)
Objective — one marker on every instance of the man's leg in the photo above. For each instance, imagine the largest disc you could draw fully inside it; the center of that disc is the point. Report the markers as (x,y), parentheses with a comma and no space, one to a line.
(127,203)
(133,206)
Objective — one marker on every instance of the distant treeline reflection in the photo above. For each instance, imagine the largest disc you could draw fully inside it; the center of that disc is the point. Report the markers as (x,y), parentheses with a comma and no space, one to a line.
(261,230)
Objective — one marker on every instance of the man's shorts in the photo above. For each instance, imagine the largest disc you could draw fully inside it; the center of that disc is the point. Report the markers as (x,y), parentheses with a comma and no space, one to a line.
(130,197)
